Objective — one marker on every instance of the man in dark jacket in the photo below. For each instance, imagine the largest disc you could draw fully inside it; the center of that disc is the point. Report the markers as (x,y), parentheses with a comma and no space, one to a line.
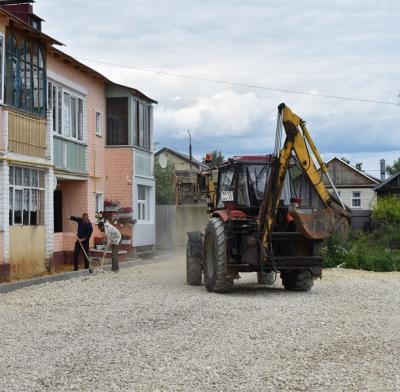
(85,230)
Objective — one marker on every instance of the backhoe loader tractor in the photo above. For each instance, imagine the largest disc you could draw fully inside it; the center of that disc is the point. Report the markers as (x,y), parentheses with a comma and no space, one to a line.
(268,214)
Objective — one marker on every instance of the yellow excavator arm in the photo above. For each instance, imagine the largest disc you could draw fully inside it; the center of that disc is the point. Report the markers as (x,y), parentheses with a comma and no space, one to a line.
(317,225)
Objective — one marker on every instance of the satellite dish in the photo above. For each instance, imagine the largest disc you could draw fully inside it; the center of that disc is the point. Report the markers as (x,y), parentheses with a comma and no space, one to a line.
(163,161)
(55,183)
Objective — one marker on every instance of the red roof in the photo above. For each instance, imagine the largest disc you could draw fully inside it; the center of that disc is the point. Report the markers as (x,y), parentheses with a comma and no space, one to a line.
(261,158)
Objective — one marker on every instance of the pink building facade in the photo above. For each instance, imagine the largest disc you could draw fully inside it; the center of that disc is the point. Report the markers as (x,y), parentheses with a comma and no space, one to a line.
(70,140)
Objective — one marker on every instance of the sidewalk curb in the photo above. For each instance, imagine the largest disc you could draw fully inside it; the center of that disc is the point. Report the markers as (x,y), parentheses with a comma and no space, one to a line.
(8,287)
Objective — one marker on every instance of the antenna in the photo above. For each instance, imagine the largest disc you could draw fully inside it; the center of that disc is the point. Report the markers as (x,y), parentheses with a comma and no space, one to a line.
(190,149)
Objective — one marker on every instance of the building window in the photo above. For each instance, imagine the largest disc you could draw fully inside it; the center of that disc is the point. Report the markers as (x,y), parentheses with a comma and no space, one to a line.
(26,75)
(143,120)
(1,68)
(67,111)
(98,123)
(26,193)
(356,200)
(117,121)
(143,203)
(99,202)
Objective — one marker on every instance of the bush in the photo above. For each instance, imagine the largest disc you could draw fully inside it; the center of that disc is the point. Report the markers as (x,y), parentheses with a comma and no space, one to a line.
(387,211)
(334,252)
(372,252)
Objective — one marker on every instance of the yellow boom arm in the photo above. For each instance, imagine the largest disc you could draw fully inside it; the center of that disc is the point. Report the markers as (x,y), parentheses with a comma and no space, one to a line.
(297,138)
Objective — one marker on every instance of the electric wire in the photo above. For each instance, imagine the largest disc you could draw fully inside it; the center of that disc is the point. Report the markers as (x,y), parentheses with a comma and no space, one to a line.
(240,84)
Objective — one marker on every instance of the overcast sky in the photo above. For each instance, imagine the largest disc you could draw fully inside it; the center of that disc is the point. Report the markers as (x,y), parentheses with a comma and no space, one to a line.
(341,47)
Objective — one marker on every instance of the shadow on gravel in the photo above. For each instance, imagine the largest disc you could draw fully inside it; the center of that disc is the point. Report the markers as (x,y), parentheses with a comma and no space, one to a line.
(252,289)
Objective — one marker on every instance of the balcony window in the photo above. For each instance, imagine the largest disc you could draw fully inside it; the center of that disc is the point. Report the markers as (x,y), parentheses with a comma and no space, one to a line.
(117,121)
(1,68)
(67,109)
(26,75)
(26,193)
(143,119)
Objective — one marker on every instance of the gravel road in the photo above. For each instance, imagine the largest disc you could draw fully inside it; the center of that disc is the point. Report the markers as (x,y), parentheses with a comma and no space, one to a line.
(145,330)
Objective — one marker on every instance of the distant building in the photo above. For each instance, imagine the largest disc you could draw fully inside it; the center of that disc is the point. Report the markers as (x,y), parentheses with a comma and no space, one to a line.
(355,188)
(186,170)
(389,187)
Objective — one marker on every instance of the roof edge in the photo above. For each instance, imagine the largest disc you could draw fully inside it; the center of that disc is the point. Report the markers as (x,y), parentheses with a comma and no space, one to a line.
(375,180)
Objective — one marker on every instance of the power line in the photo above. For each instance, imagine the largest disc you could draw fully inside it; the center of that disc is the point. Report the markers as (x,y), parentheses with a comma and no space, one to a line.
(239,84)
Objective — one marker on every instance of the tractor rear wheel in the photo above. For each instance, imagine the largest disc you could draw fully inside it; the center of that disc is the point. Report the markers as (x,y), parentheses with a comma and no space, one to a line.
(193,268)
(215,260)
(297,280)
(266,278)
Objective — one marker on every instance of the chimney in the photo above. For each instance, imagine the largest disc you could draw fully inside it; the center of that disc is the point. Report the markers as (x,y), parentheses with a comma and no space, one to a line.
(383,169)
(22,10)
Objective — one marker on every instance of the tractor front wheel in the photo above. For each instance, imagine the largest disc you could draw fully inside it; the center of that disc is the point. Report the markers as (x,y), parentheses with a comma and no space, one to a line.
(215,260)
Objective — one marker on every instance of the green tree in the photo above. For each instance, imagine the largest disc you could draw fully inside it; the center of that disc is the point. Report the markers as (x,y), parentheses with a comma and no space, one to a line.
(216,158)
(359,166)
(395,168)
(165,184)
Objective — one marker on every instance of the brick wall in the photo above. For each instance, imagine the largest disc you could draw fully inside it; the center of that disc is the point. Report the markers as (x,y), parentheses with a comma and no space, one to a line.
(79,197)
(118,171)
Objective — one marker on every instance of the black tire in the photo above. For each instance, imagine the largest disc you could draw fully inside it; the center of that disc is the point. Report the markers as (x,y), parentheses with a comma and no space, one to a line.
(215,260)
(266,278)
(193,268)
(297,280)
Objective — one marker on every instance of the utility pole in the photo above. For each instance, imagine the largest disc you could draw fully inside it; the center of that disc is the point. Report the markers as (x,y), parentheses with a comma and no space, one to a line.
(190,149)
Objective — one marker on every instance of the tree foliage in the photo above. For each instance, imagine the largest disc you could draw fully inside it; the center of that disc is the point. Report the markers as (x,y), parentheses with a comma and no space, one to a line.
(216,158)
(165,184)
(387,211)
(393,169)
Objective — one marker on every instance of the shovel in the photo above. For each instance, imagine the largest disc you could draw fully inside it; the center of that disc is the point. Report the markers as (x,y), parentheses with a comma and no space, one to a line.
(91,269)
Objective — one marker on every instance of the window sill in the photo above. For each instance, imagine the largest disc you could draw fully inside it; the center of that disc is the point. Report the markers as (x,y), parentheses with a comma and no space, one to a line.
(69,139)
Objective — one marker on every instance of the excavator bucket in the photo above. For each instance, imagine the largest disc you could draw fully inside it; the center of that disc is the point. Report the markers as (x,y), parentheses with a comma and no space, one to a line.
(321,224)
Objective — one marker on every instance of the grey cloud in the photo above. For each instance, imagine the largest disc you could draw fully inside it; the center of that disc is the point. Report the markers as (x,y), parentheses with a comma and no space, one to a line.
(341,47)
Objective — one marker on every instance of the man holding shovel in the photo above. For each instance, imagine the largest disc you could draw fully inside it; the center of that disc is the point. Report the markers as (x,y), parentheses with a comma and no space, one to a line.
(85,230)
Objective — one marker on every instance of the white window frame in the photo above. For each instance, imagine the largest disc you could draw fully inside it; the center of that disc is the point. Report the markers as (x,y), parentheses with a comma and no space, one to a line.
(98,125)
(3,59)
(99,201)
(41,193)
(355,198)
(143,206)
(72,95)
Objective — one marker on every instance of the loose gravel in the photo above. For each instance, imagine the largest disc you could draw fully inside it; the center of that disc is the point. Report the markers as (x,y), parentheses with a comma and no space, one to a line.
(145,330)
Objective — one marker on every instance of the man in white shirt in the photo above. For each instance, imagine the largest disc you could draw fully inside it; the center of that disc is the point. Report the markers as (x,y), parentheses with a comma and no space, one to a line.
(113,240)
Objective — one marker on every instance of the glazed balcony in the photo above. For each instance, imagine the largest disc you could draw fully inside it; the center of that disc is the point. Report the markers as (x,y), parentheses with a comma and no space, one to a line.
(26,134)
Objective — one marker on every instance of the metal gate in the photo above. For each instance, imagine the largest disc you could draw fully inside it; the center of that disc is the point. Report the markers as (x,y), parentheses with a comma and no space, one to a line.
(165,227)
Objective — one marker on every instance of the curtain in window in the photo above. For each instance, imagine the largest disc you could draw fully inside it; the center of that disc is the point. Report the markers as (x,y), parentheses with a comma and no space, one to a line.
(67,115)
(18,206)
(1,67)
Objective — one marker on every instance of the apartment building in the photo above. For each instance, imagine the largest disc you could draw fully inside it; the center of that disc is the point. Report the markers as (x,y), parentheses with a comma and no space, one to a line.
(64,149)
